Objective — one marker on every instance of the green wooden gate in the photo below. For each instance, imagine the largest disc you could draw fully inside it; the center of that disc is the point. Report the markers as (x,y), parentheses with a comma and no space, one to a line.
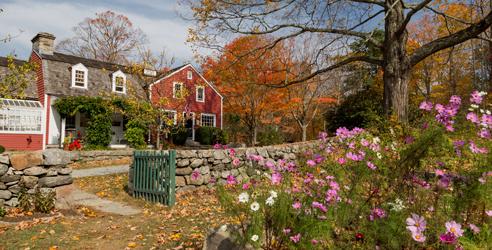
(154,176)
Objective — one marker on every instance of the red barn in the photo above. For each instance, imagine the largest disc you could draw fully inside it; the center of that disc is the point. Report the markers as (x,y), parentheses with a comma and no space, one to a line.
(189,98)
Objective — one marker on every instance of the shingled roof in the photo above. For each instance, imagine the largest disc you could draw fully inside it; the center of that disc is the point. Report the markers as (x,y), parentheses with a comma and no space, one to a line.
(5,63)
(92,63)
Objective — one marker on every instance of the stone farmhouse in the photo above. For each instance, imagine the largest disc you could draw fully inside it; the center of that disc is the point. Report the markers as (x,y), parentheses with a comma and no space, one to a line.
(33,123)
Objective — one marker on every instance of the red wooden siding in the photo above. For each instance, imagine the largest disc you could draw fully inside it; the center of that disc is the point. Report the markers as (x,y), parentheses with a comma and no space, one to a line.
(164,90)
(21,141)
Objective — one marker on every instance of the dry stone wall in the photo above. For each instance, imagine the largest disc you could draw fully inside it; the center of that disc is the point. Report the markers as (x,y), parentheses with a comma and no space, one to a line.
(30,170)
(215,165)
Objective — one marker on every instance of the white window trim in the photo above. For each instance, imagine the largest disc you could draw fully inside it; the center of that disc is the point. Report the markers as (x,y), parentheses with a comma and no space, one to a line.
(175,117)
(189,75)
(80,67)
(196,93)
(118,73)
(215,118)
(174,89)
(19,119)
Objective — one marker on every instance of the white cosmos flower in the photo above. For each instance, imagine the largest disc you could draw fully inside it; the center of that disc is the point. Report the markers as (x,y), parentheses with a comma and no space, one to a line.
(482,111)
(487,112)
(255,206)
(273,194)
(243,197)
(376,140)
(255,237)
(379,155)
(475,106)
(270,201)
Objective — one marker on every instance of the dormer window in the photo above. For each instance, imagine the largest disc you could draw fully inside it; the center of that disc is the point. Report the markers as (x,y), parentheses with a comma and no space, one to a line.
(79,76)
(119,82)
(190,75)
(177,90)
(200,93)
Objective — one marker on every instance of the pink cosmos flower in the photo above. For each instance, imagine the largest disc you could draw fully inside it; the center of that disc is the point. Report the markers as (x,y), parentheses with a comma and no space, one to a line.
(236,162)
(314,241)
(270,165)
(439,172)
(448,238)
(487,119)
(377,213)
(286,231)
(195,175)
(418,236)
(217,146)
(296,238)
(341,161)
(297,205)
(371,165)
(476,150)
(488,213)
(319,206)
(455,228)
(276,178)
(323,136)
(484,133)
(476,97)
(416,223)
(472,117)
(455,100)
(311,163)
(364,142)
(246,185)
(231,180)
(232,152)
(474,228)
(426,105)
(334,185)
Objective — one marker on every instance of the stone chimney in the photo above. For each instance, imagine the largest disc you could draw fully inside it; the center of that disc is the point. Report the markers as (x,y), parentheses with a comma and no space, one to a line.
(44,43)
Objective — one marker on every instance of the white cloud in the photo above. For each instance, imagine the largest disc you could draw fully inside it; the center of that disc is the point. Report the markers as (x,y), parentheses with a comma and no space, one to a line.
(33,16)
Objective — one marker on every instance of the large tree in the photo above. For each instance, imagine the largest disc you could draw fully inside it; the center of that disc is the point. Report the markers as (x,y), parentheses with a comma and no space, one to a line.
(339,23)
(108,37)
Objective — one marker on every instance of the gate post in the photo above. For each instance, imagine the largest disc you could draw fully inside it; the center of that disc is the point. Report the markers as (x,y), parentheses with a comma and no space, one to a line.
(171,198)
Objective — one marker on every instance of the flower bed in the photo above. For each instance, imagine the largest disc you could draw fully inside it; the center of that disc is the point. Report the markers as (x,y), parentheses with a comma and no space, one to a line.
(426,187)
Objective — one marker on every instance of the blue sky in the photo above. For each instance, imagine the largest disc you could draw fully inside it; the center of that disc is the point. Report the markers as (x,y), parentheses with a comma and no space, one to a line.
(159,19)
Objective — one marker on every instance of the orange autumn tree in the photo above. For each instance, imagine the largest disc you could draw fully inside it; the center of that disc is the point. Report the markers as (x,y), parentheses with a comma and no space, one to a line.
(242,76)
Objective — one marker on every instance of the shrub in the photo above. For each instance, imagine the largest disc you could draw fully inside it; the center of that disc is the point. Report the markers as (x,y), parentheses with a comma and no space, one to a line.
(42,202)
(430,188)
(210,135)
(3,212)
(270,136)
(135,134)
(362,109)
(179,135)
(2,149)
(98,132)
(25,201)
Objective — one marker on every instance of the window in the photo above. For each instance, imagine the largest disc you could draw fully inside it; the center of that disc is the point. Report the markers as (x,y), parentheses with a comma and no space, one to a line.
(208,120)
(171,116)
(20,116)
(177,90)
(79,76)
(190,75)
(200,94)
(119,82)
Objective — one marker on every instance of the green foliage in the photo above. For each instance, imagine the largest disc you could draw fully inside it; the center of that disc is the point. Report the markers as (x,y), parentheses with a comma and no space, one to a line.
(2,149)
(98,133)
(135,134)
(270,135)
(17,78)
(179,134)
(3,212)
(211,135)
(362,109)
(43,202)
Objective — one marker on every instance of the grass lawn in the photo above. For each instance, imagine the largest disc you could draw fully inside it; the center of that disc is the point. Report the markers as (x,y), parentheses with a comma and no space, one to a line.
(183,226)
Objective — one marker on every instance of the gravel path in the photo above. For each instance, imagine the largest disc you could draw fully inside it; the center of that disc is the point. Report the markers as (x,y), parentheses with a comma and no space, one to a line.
(79,173)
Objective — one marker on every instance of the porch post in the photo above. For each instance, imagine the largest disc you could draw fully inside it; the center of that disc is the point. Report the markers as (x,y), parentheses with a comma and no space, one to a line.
(62,132)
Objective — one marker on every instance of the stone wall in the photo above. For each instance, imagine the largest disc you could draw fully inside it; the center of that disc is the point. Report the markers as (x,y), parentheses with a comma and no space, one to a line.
(30,170)
(215,165)
(98,158)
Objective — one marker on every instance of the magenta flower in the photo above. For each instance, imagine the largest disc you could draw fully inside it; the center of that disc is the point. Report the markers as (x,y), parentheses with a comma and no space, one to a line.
(319,206)
(448,238)
(246,185)
(311,163)
(416,223)
(371,165)
(472,117)
(276,178)
(297,205)
(476,150)
(231,180)
(439,172)
(332,196)
(476,97)
(323,136)
(426,105)
(484,133)
(487,119)
(270,165)
(232,152)
(455,100)
(296,238)
(377,213)
(286,231)
(341,161)
(333,184)
(488,213)
(455,228)
(217,146)
(314,241)
(236,162)
(195,175)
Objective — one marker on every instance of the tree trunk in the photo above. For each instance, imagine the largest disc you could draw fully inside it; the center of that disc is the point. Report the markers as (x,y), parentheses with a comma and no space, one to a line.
(253,137)
(396,64)
(304,131)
